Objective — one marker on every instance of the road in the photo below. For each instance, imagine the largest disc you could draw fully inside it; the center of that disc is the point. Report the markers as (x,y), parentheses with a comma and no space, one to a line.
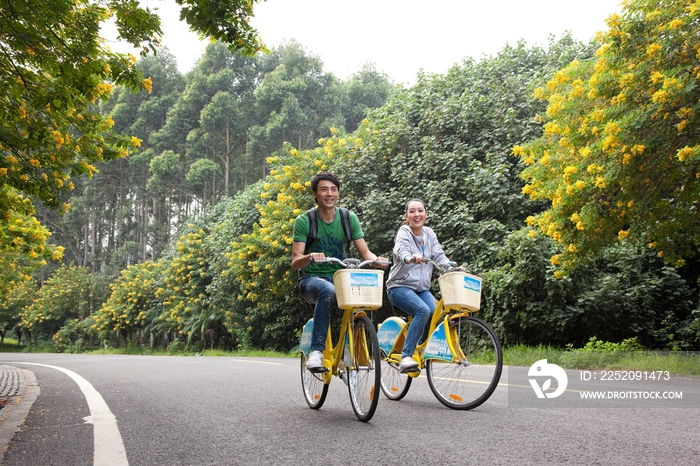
(249,411)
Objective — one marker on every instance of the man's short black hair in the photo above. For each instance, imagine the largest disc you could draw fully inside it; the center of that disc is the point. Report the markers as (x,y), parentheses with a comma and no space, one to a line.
(328,176)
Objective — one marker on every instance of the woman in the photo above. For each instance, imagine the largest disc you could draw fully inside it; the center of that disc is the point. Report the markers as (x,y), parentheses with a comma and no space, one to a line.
(408,285)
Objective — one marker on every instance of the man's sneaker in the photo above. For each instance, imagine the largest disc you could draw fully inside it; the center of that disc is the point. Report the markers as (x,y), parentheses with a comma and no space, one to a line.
(407,365)
(315,362)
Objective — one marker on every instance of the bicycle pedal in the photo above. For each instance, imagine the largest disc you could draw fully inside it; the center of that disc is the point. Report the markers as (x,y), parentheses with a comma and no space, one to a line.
(409,370)
(320,370)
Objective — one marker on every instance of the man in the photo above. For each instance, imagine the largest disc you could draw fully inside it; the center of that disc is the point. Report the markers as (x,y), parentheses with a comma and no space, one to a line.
(316,284)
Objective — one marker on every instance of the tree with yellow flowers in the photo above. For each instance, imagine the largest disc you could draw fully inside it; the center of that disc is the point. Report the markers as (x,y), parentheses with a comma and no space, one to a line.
(620,155)
(12,305)
(185,308)
(132,306)
(66,295)
(23,245)
(259,260)
(54,68)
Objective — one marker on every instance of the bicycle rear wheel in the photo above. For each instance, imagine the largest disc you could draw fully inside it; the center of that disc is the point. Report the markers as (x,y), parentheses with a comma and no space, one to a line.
(472,376)
(364,371)
(395,385)
(315,390)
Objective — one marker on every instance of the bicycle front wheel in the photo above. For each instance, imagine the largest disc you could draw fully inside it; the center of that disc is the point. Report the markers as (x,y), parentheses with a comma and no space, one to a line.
(364,371)
(395,385)
(315,390)
(472,376)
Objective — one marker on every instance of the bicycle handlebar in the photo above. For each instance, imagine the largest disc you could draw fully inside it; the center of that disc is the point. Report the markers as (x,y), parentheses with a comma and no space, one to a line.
(352,263)
(448,267)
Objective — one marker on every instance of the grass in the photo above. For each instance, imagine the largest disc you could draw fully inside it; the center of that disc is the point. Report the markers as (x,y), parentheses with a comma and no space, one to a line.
(593,356)
(11,346)
(675,362)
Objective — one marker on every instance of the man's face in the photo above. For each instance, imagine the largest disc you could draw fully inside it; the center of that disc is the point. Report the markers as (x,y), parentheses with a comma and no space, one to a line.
(326,193)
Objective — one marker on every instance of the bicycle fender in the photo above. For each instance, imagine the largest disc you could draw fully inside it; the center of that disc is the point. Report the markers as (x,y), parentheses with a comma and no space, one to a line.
(437,347)
(388,332)
(305,343)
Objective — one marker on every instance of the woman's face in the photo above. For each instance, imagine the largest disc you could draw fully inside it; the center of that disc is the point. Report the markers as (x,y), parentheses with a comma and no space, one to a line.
(416,214)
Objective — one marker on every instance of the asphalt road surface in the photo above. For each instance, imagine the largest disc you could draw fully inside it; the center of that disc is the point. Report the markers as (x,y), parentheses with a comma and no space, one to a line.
(143,410)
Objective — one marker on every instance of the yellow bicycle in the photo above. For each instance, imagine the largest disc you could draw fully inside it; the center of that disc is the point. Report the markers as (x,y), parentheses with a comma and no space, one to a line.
(355,358)
(463,357)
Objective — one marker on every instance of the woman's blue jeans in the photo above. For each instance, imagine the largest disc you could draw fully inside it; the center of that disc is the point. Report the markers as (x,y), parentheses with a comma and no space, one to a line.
(321,291)
(420,306)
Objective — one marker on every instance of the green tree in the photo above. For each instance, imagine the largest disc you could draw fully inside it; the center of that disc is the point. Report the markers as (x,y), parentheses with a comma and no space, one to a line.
(295,103)
(220,120)
(448,140)
(366,89)
(620,155)
(55,67)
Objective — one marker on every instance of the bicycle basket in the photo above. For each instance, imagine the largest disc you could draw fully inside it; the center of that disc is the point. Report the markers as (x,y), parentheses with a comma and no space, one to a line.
(460,290)
(359,288)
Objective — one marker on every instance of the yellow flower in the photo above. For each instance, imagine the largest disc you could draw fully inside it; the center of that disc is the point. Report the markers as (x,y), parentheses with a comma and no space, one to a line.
(652,49)
(684,153)
(622,234)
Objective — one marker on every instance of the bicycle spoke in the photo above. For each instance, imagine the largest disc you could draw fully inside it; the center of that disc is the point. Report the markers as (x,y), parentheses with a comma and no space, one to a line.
(363,374)
(473,375)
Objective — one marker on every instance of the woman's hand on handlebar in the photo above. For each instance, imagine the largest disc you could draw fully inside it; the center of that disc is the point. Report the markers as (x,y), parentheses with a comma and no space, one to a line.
(416,259)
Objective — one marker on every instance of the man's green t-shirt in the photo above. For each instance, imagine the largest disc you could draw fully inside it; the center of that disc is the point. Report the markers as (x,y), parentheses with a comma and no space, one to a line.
(331,240)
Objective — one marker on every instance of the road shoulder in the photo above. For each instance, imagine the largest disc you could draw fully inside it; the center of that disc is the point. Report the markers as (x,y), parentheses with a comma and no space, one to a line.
(18,392)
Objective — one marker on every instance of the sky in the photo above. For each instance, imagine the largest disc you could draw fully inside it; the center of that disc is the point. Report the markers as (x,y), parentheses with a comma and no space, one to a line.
(400,37)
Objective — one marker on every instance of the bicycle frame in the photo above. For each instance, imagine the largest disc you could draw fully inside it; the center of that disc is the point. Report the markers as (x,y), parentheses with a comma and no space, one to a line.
(356,355)
(440,316)
(333,358)
(462,356)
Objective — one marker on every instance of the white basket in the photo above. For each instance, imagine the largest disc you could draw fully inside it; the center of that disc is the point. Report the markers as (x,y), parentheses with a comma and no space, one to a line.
(359,288)
(460,290)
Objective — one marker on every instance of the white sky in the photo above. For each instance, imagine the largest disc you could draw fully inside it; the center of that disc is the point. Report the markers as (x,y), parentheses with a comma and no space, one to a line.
(400,36)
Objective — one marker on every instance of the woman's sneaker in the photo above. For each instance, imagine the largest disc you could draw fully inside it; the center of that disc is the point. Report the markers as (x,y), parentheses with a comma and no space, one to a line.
(407,365)
(315,362)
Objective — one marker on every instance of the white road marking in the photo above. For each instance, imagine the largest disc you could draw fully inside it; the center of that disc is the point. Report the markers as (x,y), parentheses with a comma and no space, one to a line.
(256,362)
(108,445)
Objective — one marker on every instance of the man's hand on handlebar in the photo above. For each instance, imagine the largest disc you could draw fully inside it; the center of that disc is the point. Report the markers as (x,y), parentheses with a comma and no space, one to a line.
(381,262)
(316,257)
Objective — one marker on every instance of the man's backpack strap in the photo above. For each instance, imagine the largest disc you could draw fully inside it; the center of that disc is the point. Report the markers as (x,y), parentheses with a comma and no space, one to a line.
(345,219)
(313,230)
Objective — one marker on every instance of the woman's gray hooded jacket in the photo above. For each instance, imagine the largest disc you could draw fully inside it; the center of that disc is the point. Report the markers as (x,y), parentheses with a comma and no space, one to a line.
(414,276)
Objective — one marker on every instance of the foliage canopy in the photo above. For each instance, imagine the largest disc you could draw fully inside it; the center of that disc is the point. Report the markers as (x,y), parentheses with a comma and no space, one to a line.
(620,155)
